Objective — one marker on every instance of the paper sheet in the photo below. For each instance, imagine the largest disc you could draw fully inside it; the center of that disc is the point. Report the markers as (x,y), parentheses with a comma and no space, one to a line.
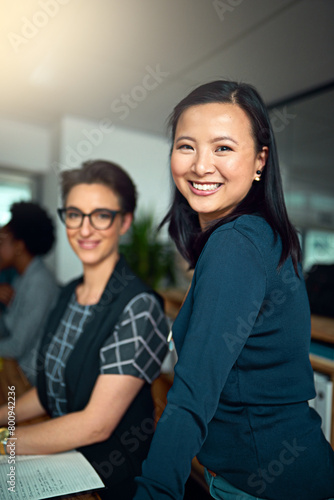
(36,477)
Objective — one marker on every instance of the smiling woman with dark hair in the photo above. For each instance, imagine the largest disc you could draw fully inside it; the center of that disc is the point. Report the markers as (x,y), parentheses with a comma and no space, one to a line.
(239,400)
(28,236)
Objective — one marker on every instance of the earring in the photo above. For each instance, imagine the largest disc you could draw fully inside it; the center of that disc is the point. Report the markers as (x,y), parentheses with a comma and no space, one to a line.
(258,174)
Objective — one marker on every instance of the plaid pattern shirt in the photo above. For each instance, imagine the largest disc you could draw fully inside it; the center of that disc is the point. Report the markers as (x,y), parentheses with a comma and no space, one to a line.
(137,346)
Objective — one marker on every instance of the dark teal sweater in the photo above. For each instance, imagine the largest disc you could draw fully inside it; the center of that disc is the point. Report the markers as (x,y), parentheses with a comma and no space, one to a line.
(243,378)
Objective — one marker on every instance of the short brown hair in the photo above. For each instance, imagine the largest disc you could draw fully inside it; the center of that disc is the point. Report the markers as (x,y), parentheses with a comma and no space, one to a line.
(102,172)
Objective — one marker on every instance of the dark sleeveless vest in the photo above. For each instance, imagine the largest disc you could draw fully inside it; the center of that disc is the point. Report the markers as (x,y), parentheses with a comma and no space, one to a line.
(121,455)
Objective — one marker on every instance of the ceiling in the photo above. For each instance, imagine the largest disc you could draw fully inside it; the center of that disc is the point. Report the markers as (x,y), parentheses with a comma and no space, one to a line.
(131,61)
(89,57)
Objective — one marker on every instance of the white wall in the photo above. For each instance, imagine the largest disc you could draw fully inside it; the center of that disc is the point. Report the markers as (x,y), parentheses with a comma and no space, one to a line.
(24,146)
(50,191)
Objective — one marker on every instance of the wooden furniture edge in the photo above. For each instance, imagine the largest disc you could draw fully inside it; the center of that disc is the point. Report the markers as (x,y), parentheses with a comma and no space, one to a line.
(322,328)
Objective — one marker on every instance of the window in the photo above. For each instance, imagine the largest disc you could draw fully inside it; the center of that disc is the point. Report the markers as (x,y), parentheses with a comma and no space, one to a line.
(14,187)
(318,248)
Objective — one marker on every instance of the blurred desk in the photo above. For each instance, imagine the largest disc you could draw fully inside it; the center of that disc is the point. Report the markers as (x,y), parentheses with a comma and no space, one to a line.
(12,375)
(322,329)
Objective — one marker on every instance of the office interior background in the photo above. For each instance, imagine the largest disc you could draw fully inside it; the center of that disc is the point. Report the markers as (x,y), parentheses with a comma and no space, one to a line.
(85,79)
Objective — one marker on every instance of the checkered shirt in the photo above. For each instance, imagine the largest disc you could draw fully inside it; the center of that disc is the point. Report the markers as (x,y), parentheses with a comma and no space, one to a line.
(137,346)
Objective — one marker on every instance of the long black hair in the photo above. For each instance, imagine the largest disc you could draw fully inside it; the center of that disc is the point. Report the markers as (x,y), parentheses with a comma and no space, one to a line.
(264,198)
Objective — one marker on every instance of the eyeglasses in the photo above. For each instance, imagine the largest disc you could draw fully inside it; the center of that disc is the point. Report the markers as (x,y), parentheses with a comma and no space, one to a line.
(101,218)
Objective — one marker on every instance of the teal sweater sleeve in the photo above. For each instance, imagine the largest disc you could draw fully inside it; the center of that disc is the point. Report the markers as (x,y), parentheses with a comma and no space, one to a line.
(229,279)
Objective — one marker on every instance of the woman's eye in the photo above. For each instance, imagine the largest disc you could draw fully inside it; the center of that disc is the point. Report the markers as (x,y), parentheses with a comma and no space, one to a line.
(223,148)
(73,215)
(103,215)
(185,146)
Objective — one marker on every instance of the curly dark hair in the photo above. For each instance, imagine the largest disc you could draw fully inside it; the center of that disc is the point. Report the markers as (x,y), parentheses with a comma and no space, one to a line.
(31,224)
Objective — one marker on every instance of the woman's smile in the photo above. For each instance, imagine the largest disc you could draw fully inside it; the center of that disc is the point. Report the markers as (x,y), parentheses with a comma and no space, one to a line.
(204,188)
(88,244)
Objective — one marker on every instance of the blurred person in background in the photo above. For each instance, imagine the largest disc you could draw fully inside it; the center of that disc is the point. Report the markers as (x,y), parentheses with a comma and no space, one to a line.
(27,237)
(6,290)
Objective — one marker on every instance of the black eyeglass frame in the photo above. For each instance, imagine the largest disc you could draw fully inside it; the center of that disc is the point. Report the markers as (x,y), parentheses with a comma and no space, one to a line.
(113,213)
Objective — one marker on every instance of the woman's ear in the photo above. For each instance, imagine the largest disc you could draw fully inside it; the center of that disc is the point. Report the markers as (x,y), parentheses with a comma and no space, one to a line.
(262,157)
(126,222)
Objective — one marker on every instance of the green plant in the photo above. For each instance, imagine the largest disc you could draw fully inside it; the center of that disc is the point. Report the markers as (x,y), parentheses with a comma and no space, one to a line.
(150,258)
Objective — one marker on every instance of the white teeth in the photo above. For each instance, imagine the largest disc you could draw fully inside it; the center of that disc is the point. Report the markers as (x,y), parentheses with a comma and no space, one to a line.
(205,187)
(88,244)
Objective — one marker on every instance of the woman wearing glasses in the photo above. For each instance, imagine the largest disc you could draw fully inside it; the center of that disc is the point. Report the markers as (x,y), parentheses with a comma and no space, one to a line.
(103,344)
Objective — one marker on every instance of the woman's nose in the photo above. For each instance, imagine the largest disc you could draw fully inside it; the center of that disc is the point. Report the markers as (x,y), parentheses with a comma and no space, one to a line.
(86,227)
(203,163)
